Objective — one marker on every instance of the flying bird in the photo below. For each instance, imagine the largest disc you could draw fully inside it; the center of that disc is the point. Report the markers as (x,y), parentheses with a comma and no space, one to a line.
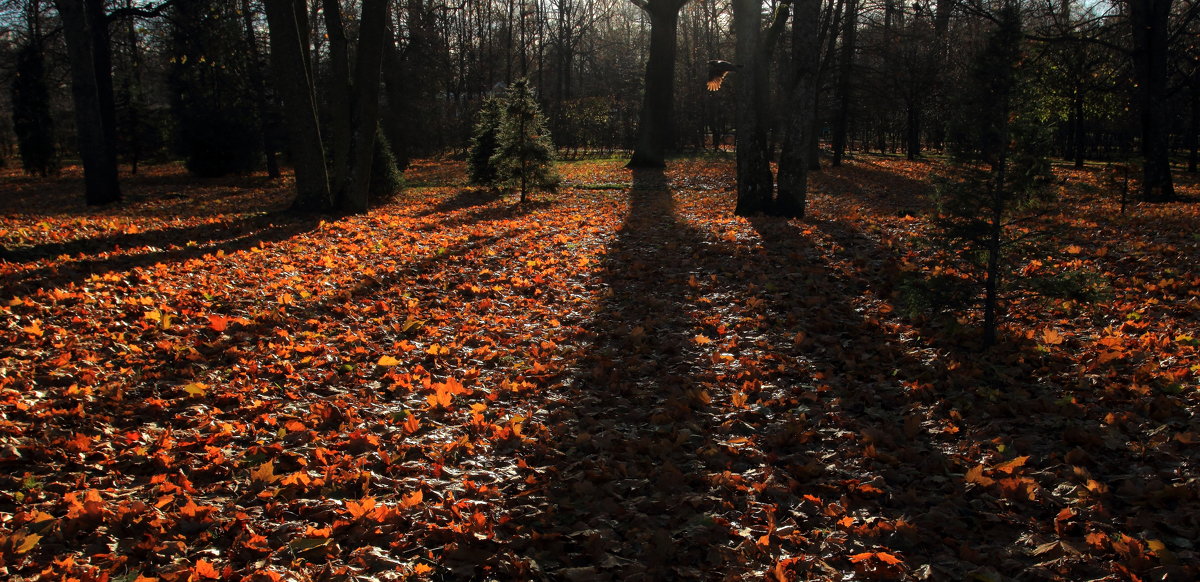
(717,71)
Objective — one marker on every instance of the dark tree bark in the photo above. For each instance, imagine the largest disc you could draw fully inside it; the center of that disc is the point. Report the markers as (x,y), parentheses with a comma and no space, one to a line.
(912,127)
(32,122)
(96,134)
(1076,127)
(289,48)
(755,183)
(102,55)
(654,129)
(1193,144)
(340,96)
(133,93)
(801,99)
(264,113)
(845,87)
(1149,20)
(364,117)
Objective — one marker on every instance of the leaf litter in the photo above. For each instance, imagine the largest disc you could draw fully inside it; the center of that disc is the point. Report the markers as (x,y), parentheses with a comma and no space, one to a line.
(615,383)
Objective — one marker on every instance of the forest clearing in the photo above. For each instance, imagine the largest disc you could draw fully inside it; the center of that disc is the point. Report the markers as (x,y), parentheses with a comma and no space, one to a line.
(618,381)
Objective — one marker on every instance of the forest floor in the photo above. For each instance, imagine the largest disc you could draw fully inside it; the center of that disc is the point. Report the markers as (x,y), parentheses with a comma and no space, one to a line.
(621,381)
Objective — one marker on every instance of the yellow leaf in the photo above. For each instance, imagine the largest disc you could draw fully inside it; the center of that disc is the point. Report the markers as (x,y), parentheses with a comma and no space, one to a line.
(196,389)
(387,361)
(702,339)
(28,541)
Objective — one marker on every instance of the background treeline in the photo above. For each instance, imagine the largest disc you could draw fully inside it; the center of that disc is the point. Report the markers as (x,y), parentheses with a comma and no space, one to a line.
(192,79)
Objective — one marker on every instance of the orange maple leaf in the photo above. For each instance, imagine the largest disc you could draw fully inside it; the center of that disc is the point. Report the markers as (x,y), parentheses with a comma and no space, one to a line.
(205,569)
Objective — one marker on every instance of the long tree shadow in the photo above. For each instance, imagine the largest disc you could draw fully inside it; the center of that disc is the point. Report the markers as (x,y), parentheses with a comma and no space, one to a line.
(881,190)
(462,199)
(922,415)
(698,430)
(627,501)
(477,205)
(107,253)
(739,405)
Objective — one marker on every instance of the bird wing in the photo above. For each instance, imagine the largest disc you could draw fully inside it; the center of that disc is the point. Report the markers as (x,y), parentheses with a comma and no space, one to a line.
(717,70)
(715,78)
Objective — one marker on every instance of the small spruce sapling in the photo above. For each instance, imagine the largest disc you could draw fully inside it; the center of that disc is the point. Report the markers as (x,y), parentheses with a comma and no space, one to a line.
(524,157)
(386,178)
(990,209)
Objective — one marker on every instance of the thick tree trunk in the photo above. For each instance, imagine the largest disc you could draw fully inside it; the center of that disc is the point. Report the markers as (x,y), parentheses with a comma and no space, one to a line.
(654,127)
(754,179)
(364,119)
(841,116)
(289,47)
(102,56)
(1149,20)
(96,144)
(801,126)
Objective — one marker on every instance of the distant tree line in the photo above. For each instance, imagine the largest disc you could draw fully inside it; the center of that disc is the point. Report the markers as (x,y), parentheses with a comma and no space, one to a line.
(332,87)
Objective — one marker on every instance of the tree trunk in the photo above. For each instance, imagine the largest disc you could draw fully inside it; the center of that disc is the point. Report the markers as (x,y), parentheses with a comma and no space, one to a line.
(102,55)
(841,116)
(654,127)
(289,47)
(340,125)
(1075,128)
(991,293)
(912,140)
(1149,20)
(264,126)
(801,126)
(134,93)
(96,150)
(1193,133)
(365,113)
(754,179)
